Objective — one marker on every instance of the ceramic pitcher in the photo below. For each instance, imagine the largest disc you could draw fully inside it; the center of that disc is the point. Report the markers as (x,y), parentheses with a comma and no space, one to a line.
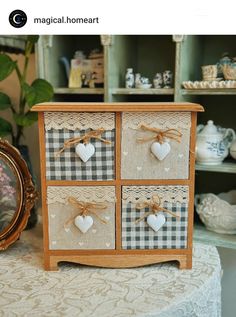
(213,143)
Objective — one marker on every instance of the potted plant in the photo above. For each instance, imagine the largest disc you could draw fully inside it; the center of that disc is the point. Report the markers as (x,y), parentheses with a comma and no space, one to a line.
(38,91)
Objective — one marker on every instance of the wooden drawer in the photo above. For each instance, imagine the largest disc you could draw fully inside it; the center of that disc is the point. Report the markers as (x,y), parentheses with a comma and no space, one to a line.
(67,165)
(136,208)
(64,217)
(137,159)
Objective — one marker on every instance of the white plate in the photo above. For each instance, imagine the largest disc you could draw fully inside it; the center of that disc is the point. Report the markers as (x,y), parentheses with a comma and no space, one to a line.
(213,79)
(215,84)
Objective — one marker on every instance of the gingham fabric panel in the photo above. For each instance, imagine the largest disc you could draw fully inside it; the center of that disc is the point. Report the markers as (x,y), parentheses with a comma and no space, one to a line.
(68,166)
(173,234)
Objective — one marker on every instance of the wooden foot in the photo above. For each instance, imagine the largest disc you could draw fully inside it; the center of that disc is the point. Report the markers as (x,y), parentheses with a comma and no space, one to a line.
(51,263)
(186,263)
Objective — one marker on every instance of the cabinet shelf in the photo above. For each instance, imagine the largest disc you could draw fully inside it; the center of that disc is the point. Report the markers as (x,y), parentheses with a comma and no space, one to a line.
(201,234)
(140,91)
(218,91)
(226,167)
(79,91)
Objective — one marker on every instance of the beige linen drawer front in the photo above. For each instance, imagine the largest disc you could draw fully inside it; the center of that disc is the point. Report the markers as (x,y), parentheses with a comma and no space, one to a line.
(137,160)
(66,164)
(64,207)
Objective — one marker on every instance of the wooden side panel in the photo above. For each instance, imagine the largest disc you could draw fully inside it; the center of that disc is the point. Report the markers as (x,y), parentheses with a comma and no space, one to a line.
(43,185)
(118,177)
(191,178)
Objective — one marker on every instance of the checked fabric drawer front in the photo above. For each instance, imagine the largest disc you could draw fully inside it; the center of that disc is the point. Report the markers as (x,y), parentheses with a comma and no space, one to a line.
(117,182)
(137,234)
(63,126)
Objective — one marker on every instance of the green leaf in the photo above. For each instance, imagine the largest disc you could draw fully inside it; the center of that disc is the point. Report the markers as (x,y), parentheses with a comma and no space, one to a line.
(6,66)
(33,38)
(5,101)
(40,91)
(26,88)
(25,120)
(5,127)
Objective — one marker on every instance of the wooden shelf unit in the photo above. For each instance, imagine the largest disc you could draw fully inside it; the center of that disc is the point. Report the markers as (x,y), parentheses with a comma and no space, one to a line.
(202,234)
(79,91)
(218,91)
(225,167)
(140,91)
(149,54)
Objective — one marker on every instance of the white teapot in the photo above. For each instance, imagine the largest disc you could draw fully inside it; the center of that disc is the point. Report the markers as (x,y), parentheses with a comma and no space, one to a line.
(213,143)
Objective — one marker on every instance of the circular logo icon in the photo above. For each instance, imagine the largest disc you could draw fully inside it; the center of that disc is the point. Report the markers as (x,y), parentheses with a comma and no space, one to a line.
(17,18)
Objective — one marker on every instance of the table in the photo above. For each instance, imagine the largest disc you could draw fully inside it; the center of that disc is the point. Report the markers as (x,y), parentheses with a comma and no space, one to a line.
(160,290)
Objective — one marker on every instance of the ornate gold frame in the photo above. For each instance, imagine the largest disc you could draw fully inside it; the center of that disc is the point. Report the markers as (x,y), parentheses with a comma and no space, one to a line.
(27,194)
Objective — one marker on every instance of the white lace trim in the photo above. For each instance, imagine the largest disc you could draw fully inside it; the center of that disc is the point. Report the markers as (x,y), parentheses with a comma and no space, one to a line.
(159,120)
(60,194)
(172,194)
(79,120)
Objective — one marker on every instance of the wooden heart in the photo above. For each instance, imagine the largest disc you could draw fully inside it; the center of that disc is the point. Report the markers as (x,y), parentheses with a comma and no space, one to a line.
(160,150)
(85,151)
(156,221)
(83,223)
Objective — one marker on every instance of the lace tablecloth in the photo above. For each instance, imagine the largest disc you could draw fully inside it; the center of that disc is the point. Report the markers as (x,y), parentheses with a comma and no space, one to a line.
(159,290)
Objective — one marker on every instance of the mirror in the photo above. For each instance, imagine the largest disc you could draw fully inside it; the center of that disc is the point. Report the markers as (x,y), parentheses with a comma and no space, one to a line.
(17,194)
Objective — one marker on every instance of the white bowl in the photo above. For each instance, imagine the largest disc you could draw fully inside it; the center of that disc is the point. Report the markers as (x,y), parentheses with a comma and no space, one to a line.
(218,212)
(145,86)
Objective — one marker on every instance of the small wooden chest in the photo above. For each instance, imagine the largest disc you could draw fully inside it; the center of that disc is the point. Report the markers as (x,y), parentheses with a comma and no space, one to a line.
(117,182)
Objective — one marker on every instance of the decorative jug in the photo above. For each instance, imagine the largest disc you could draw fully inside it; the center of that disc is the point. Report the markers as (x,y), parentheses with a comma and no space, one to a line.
(224,61)
(137,80)
(233,149)
(158,80)
(129,78)
(213,143)
(79,56)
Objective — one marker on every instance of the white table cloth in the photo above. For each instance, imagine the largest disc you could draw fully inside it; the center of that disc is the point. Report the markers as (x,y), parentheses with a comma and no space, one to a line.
(160,290)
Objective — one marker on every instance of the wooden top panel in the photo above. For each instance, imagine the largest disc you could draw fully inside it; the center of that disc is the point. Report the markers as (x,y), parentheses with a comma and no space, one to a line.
(117,107)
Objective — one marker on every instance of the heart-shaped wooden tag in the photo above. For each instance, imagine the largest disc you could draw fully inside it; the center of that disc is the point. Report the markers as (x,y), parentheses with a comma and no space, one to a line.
(160,150)
(85,151)
(83,223)
(156,221)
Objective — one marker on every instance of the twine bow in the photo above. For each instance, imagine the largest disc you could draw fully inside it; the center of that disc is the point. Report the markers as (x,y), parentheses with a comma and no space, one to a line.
(155,205)
(95,134)
(86,208)
(160,134)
